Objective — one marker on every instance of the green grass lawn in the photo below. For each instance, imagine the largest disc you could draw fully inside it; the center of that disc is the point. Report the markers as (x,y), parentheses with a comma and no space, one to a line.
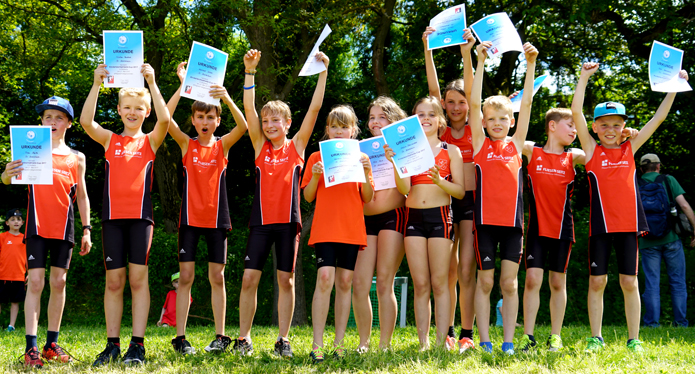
(667,350)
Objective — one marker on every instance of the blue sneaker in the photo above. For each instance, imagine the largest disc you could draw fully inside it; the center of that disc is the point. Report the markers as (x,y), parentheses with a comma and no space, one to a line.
(10,328)
(486,346)
(508,348)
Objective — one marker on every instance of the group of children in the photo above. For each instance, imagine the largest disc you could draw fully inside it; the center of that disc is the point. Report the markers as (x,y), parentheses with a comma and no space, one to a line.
(448,221)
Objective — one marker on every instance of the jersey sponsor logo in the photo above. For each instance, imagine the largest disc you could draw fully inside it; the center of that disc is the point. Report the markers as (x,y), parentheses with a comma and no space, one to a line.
(593,265)
(182,250)
(127,153)
(9,242)
(530,257)
(31,257)
(276,161)
(204,164)
(108,259)
(557,172)
(65,173)
(605,164)
(487,259)
(493,157)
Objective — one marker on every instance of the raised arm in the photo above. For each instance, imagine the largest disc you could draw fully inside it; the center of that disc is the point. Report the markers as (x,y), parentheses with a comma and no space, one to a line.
(229,139)
(251,59)
(588,143)
(475,116)
(301,138)
(467,62)
(527,99)
(83,204)
(179,136)
(430,69)
(159,132)
(96,132)
(658,118)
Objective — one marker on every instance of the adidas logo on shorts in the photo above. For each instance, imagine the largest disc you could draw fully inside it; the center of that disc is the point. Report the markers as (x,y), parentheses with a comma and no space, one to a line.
(31,257)
(182,251)
(411,228)
(530,257)
(319,260)
(437,228)
(487,259)
(247,258)
(108,259)
(593,265)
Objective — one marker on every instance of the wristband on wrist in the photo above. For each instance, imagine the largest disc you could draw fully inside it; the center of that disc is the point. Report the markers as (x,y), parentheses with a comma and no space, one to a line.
(250,71)
(87,227)
(249,87)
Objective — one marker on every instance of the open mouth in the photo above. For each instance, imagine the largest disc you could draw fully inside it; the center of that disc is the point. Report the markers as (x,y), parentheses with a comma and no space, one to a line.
(204,130)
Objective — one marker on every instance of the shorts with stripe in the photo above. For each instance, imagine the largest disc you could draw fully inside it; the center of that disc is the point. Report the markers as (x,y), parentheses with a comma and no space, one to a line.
(340,255)
(489,237)
(39,247)
(285,236)
(626,251)
(430,222)
(542,249)
(215,238)
(393,220)
(126,241)
(463,209)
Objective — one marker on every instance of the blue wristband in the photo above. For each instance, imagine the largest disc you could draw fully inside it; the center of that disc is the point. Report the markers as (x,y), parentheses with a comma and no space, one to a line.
(249,87)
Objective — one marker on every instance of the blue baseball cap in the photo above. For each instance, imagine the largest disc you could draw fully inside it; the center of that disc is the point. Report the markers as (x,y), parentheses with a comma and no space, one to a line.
(609,109)
(57,103)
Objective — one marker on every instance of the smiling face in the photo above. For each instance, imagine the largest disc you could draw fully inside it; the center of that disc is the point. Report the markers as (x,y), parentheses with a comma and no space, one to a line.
(497,122)
(609,129)
(428,118)
(456,106)
(205,123)
(133,111)
(377,120)
(275,125)
(57,120)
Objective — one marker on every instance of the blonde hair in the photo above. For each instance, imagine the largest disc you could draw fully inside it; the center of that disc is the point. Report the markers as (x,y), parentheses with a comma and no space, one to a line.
(455,85)
(393,111)
(499,102)
(557,115)
(276,107)
(438,111)
(342,114)
(142,93)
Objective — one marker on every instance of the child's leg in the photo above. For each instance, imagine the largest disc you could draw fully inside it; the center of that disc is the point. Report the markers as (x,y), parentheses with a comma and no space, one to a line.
(466,274)
(258,247)
(418,262)
(599,254)
(32,303)
(113,301)
(558,300)
(630,286)
(597,284)
(286,248)
(56,302)
(534,280)
(183,295)
(218,294)
(343,286)
(510,307)
(325,278)
(362,284)
(453,276)
(486,279)
(140,289)
(389,258)
(439,253)
(14,310)
(247,301)
(285,301)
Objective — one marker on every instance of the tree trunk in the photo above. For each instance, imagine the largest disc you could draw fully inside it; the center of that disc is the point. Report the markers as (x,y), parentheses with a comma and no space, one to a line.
(379,48)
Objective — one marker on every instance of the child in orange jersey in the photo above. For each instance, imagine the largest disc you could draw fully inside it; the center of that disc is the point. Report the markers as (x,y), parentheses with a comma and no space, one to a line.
(462,266)
(616,217)
(338,233)
(498,199)
(204,207)
(50,228)
(13,265)
(429,230)
(127,219)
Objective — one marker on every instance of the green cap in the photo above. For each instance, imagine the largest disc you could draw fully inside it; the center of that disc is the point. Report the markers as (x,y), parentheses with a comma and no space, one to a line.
(175,276)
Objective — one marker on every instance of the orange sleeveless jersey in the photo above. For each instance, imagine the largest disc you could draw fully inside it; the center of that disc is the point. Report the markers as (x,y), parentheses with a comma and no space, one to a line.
(13,257)
(465,143)
(278,172)
(128,179)
(442,159)
(498,177)
(204,200)
(551,178)
(616,205)
(51,211)
(338,216)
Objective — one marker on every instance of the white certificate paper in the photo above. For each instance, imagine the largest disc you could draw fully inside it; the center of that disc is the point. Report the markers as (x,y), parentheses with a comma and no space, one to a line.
(32,145)
(382,170)
(206,66)
(449,26)
(537,84)
(664,65)
(498,29)
(311,66)
(408,140)
(341,161)
(123,56)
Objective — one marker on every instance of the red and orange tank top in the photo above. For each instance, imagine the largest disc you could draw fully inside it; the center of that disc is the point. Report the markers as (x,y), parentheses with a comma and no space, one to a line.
(465,144)
(51,210)
(499,187)
(616,205)
(128,178)
(204,199)
(551,178)
(278,172)
(442,159)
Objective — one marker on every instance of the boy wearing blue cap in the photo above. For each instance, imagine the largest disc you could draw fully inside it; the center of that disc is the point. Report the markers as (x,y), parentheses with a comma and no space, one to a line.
(50,229)
(616,218)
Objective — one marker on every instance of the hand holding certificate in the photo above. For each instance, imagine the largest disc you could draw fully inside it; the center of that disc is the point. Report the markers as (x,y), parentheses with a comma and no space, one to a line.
(516,100)
(448,26)
(382,170)
(412,151)
(123,55)
(664,69)
(498,29)
(32,145)
(206,67)
(313,66)
(341,160)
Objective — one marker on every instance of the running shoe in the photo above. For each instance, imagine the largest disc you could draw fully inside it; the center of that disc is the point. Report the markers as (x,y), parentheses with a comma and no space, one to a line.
(110,354)
(10,328)
(635,345)
(466,344)
(526,344)
(135,355)
(450,343)
(316,355)
(243,347)
(594,344)
(219,345)
(554,343)
(508,348)
(183,346)
(55,353)
(339,351)
(283,348)
(486,346)
(362,350)
(32,359)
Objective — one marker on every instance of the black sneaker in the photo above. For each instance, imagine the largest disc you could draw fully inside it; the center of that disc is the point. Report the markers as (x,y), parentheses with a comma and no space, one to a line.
(135,355)
(108,355)
(219,345)
(183,346)
(243,347)
(283,348)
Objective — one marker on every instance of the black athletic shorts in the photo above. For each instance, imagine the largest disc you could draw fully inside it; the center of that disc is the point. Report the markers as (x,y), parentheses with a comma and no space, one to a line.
(393,220)
(12,291)
(38,249)
(339,255)
(463,209)
(626,251)
(216,240)
(430,222)
(285,236)
(488,237)
(542,249)
(126,241)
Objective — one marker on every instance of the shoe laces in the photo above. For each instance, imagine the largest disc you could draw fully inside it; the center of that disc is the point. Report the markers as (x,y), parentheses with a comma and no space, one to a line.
(317,353)
(339,350)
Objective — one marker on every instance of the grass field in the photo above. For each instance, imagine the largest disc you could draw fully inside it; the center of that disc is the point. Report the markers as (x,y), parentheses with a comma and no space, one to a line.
(667,350)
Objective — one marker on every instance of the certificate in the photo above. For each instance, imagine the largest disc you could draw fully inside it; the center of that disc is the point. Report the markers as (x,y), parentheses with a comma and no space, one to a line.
(382,169)
(498,29)
(206,66)
(664,65)
(311,66)
(516,100)
(32,145)
(449,26)
(341,161)
(413,154)
(123,56)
